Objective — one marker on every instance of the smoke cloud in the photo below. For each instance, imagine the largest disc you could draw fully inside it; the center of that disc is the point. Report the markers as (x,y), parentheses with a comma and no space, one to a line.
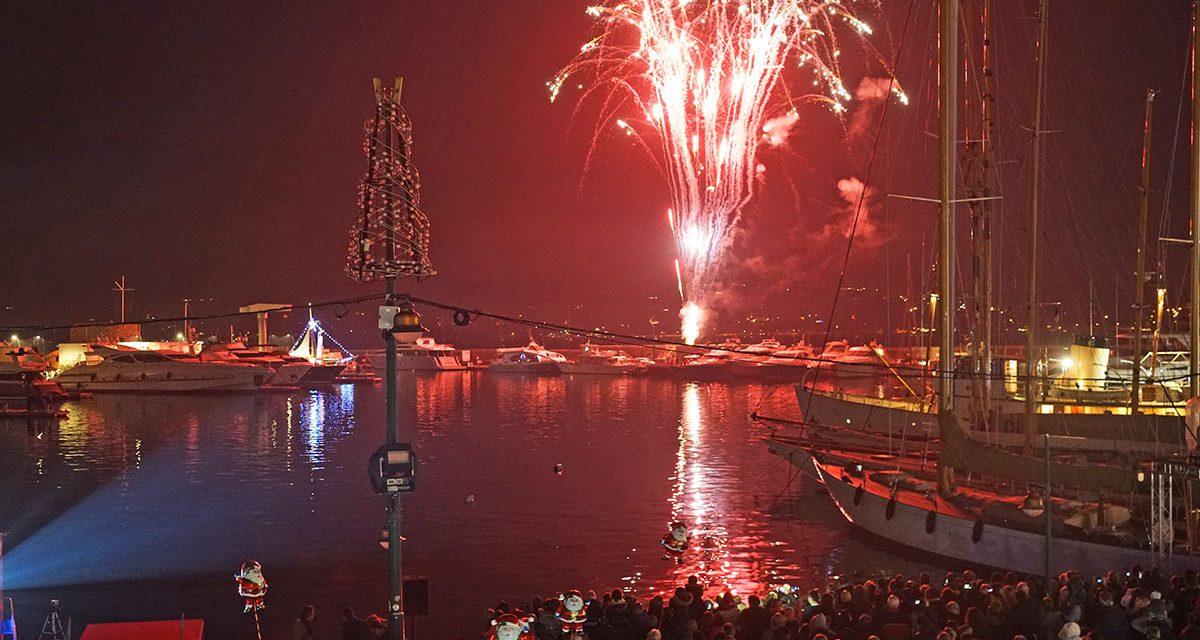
(870,94)
(867,234)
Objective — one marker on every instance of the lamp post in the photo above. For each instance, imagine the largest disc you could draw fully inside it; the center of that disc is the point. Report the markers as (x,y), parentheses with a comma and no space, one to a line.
(391,240)
(393,467)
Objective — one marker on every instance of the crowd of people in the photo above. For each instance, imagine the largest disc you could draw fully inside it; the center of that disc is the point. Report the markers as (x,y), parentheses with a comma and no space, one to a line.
(1132,605)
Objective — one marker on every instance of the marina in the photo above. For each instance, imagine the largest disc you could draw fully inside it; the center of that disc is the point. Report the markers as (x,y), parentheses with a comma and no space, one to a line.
(640,320)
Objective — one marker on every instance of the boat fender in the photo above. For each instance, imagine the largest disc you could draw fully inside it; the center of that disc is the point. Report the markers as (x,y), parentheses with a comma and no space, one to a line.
(1010,426)
(462,317)
(890,512)
(930,521)
(858,494)
(977,531)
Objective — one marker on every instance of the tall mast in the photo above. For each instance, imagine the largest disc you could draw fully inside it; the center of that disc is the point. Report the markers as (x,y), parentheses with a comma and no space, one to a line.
(1139,289)
(1035,160)
(1194,347)
(978,178)
(947,105)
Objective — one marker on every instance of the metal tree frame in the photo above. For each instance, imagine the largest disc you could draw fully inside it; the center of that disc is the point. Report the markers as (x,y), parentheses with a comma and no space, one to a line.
(391,239)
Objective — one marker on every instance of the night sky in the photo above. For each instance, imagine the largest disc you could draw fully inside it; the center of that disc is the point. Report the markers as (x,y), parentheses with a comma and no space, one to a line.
(213,150)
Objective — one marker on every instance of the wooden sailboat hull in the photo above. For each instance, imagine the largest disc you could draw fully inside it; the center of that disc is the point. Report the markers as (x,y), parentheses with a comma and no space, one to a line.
(961,536)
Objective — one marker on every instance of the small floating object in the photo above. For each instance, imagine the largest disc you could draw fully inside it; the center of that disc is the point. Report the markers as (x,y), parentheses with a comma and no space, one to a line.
(558,469)
(470,500)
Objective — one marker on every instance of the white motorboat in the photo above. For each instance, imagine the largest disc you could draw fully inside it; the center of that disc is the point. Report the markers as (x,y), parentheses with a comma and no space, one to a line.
(843,360)
(532,358)
(426,354)
(788,363)
(286,371)
(747,359)
(133,371)
(23,378)
(602,362)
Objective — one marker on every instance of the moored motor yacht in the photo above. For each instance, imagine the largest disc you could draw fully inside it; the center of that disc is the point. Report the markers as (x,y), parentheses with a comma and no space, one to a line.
(23,378)
(597,361)
(426,354)
(532,358)
(285,371)
(746,360)
(788,363)
(840,358)
(133,371)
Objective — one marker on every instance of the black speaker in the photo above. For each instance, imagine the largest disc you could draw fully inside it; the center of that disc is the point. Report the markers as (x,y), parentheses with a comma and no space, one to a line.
(416,595)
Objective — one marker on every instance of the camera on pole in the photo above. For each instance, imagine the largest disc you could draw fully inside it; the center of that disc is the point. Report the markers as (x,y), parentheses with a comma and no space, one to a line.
(393,469)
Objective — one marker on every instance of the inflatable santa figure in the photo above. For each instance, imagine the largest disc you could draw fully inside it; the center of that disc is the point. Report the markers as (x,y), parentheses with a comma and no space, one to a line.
(512,626)
(675,542)
(572,611)
(252,585)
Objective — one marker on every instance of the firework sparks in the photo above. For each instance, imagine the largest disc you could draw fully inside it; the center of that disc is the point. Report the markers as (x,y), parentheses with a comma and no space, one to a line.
(700,76)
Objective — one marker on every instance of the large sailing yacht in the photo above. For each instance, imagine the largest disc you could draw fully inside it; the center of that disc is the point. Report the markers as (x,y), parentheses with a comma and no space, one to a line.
(1050,508)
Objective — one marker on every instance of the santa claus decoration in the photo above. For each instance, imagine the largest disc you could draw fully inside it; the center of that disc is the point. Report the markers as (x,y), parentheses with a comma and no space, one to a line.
(572,611)
(252,586)
(512,626)
(675,542)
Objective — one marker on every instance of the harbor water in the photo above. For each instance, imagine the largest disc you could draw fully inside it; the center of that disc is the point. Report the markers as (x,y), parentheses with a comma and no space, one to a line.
(144,507)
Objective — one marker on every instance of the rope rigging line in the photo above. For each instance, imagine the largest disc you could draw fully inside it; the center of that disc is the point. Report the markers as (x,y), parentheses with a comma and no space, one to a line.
(866,183)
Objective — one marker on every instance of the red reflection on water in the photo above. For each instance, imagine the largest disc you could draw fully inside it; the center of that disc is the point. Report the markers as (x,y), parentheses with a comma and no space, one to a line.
(722,557)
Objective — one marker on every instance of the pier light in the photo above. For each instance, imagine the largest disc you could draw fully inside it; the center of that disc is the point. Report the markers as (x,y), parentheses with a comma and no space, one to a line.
(402,321)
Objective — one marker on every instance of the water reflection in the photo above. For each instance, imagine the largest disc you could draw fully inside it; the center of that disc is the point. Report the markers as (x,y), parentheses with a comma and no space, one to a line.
(635,452)
(721,556)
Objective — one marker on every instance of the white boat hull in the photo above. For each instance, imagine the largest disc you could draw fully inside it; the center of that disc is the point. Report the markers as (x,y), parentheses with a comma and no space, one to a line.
(593,369)
(185,379)
(533,368)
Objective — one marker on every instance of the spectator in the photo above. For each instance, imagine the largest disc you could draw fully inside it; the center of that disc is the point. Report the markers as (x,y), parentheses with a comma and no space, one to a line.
(753,622)
(1109,621)
(354,627)
(302,628)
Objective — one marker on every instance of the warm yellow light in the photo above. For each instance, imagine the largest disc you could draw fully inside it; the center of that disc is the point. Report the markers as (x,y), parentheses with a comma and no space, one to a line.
(179,336)
(14,337)
(1067,363)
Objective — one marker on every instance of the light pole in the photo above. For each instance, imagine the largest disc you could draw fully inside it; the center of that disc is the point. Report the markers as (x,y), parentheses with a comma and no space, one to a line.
(391,240)
(393,468)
